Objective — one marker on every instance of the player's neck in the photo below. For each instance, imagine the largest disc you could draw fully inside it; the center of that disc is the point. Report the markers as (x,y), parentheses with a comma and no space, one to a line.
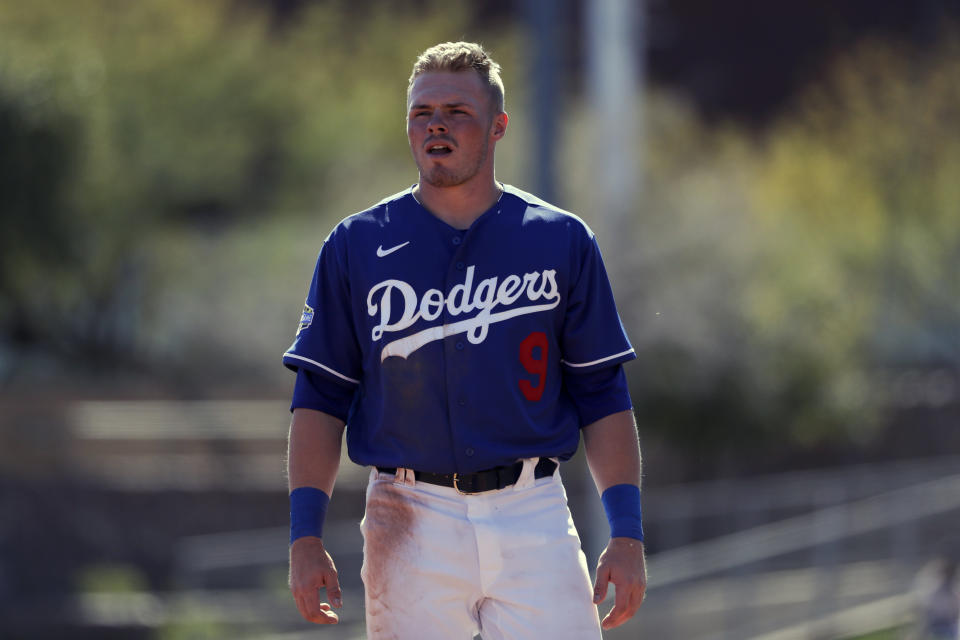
(458,206)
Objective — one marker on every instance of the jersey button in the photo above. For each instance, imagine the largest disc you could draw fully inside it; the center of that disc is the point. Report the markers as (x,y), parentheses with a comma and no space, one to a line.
(460,266)
(456,240)
(459,346)
(469,451)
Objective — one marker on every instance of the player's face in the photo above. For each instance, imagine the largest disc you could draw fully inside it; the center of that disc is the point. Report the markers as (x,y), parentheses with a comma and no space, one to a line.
(452,126)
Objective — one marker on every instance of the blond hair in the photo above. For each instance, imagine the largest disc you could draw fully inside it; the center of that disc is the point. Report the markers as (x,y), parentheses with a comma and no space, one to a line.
(460,56)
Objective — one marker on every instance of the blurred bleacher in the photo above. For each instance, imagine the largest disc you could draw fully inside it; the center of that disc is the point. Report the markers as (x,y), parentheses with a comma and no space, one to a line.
(192,496)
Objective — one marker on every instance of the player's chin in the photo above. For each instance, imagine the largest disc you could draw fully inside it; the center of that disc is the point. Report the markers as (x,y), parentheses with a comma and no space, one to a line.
(441,177)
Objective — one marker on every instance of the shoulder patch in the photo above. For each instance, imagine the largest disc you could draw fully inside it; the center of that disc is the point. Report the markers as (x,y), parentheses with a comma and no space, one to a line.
(306,319)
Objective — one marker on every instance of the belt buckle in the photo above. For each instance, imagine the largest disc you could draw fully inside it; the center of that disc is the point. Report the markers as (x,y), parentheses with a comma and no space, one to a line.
(456,480)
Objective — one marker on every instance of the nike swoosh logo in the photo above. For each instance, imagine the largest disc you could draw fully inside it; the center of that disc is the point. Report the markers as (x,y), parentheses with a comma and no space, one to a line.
(381,252)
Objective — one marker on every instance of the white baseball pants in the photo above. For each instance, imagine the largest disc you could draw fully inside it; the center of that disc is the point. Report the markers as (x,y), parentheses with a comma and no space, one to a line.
(439,565)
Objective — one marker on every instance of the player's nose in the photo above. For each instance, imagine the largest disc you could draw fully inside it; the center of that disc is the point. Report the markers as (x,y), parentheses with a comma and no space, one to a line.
(436,125)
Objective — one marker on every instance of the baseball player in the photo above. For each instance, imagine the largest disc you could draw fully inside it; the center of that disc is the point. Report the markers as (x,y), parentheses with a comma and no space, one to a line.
(465,334)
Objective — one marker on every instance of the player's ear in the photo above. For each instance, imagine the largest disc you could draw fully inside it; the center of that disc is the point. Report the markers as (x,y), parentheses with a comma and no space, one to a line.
(499,127)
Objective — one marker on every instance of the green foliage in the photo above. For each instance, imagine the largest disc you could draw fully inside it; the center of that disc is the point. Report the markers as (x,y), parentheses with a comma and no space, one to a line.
(856,205)
(110,578)
(120,119)
(772,273)
(859,197)
(170,167)
(189,629)
(896,633)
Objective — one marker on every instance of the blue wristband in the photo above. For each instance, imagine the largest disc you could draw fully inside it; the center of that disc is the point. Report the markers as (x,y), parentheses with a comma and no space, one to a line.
(308,508)
(622,504)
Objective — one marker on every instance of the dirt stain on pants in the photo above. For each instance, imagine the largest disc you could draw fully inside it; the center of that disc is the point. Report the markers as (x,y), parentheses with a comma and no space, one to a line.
(389,555)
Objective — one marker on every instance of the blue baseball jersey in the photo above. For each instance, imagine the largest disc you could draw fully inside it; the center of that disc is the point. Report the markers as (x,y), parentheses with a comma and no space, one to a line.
(458,347)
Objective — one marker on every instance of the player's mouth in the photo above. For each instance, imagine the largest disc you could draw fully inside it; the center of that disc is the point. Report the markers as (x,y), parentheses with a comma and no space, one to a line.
(438,149)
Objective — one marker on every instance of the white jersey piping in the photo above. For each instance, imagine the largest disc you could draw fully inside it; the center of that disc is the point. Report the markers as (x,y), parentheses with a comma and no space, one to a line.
(322,366)
(587,364)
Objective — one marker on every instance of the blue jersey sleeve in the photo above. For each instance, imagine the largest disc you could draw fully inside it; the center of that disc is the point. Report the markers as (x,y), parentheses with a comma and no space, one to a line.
(599,393)
(313,391)
(593,336)
(326,341)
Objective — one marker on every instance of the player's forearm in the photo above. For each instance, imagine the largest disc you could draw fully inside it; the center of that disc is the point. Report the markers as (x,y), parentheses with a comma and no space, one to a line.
(613,451)
(313,450)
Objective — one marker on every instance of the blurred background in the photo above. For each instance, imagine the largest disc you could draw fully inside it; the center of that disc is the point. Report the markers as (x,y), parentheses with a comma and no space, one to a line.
(776,188)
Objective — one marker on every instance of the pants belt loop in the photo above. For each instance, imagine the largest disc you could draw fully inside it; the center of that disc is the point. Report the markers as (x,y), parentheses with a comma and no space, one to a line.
(404,476)
(526,478)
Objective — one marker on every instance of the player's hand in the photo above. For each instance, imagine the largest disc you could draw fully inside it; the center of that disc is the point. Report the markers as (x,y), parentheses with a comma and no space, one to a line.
(312,568)
(621,563)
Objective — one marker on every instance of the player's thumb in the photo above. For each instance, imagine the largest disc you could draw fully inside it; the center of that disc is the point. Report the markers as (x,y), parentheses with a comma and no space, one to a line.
(600,586)
(333,590)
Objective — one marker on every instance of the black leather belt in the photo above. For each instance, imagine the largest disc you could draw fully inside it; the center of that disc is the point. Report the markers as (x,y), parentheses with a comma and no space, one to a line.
(489,480)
